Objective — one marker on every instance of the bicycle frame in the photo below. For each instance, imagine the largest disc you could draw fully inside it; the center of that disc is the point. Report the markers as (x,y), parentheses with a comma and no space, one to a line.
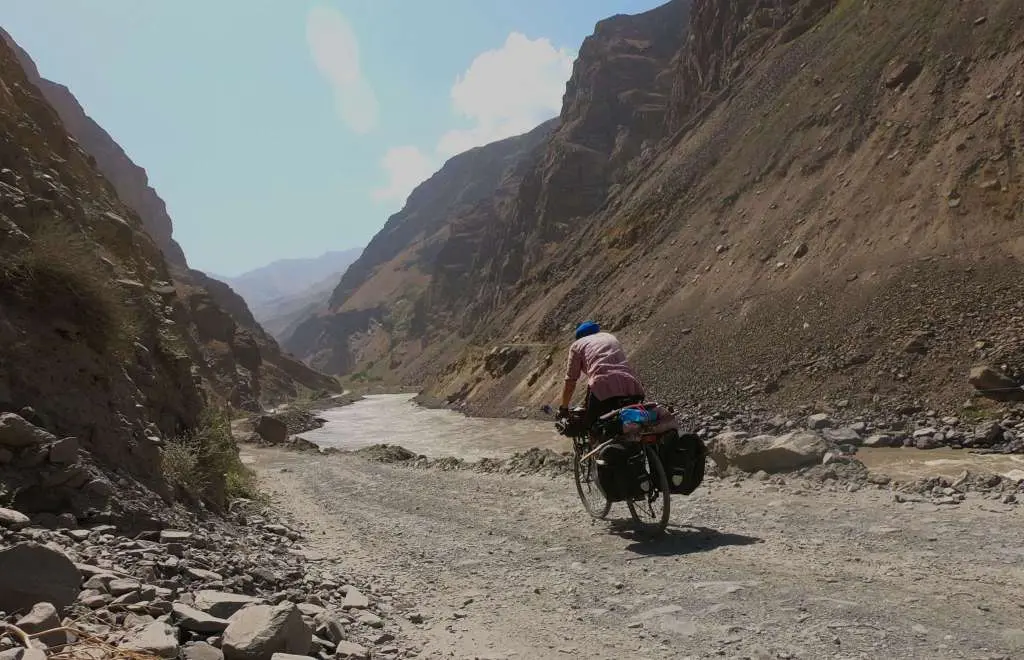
(646,439)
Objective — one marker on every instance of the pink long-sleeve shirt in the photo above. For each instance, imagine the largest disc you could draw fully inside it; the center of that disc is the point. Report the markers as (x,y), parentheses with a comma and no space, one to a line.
(601,357)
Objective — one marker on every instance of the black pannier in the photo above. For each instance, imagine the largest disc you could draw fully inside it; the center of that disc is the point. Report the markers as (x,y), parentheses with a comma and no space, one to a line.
(683,455)
(620,471)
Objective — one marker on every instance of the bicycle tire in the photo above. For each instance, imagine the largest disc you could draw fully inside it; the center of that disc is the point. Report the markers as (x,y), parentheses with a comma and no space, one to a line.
(660,480)
(598,512)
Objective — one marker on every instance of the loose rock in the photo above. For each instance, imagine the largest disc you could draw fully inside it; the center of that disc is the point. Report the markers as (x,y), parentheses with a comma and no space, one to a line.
(202,651)
(994,384)
(259,631)
(15,432)
(819,421)
(355,600)
(272,430)
(31,573)
(351,651)
(195,620)
(12,519)
(157,638)
(64,450)
(222,604)
(44,617)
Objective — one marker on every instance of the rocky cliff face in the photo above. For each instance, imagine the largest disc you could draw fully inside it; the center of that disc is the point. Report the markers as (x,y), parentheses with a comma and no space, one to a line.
(235,356)
(129,180)
(488,216)
(378,315)
(773,202)
(86,336)
(113,350)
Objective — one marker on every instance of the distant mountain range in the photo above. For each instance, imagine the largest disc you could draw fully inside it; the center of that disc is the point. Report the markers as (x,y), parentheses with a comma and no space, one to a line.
(288,290)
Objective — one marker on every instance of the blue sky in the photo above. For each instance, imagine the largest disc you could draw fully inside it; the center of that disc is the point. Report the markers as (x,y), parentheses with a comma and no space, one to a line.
(285,128)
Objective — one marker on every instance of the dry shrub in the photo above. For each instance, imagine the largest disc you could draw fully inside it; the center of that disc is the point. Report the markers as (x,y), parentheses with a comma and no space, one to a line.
(59,275)
(205,462)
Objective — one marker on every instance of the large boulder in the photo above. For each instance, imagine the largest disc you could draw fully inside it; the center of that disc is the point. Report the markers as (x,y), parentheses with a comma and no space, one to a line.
(994,384)
(272,430)
(766,452)
(260,631)
(31,573)
(16,432)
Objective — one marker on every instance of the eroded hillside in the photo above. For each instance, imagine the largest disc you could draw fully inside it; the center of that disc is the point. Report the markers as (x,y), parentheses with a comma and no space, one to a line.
(386,305)
(235,356)
(87,334)
(778,202)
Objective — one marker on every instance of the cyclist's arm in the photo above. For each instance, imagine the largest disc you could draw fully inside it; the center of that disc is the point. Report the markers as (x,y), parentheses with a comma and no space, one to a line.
(567,390)
(572,374)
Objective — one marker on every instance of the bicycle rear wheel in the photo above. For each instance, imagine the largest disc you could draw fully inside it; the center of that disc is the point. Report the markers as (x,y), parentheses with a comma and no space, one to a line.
(651,513)
(585,474)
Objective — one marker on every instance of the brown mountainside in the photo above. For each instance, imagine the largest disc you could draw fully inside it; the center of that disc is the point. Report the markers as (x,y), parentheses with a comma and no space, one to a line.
(88,337)
(381,305)
(772,201)
(129,180)
(238,358)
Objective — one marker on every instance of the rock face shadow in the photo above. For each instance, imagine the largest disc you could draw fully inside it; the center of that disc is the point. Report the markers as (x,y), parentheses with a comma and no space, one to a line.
(679,540)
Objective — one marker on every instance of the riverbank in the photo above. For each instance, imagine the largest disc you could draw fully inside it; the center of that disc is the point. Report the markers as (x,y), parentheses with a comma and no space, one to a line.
(448,438)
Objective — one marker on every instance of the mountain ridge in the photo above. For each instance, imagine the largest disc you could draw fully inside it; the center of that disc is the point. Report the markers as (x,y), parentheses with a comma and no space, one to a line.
(288,277)
(714,194)
(238,353)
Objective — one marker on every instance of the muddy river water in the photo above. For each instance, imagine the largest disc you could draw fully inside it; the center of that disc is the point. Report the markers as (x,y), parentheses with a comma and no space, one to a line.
(395,419)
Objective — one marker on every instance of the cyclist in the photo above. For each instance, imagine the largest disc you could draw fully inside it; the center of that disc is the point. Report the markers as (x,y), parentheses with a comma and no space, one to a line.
(611,382)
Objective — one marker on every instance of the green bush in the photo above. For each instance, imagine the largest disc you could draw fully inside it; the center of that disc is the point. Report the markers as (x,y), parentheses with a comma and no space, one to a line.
(205,462)
(181,464)
(59,275)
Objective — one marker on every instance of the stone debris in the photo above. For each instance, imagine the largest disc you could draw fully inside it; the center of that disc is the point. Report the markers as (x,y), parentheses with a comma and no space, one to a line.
(232,588)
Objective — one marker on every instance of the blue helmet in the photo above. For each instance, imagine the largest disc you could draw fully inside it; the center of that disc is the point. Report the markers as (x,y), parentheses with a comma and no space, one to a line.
(587,328)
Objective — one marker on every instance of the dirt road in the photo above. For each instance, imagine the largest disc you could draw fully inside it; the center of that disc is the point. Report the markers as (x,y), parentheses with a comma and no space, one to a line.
(505,566)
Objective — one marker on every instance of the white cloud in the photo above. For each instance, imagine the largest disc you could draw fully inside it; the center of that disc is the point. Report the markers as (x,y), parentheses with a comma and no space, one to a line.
(508,91)
(335,50)
(407,167)
(504,92)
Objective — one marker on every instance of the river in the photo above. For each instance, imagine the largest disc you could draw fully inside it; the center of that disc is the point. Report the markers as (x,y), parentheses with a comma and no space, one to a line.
(394,419)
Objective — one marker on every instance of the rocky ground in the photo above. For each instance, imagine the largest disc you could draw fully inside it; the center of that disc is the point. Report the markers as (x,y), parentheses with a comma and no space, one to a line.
(792,548)
(506,565)
(245,587)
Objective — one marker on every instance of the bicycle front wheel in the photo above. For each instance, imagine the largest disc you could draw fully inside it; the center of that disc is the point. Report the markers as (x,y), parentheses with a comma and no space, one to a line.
(651,512)
(587,486)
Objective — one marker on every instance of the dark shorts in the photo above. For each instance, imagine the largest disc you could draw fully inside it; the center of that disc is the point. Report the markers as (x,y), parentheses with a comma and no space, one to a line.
(597,407)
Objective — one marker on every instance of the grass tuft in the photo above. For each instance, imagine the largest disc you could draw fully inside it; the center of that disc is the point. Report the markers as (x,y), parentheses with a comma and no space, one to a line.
(59,276)
(205,463)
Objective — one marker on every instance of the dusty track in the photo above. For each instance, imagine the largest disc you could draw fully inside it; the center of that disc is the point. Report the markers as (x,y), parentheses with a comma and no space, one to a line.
(509,566)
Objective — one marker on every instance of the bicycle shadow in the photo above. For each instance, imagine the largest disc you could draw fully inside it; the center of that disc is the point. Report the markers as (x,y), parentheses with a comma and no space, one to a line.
(681,540)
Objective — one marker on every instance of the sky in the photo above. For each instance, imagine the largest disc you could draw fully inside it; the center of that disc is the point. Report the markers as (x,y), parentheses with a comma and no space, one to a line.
(285,128)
